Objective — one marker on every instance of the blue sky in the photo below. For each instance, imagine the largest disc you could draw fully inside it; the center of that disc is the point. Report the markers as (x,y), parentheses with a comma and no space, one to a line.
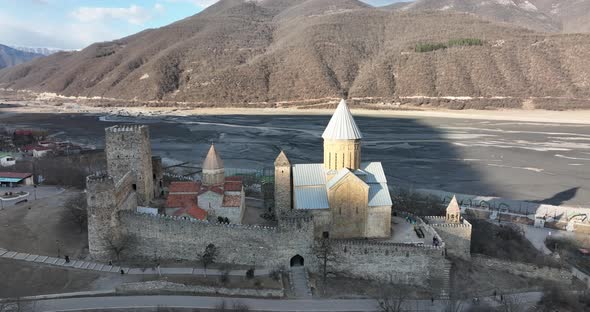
(74,24)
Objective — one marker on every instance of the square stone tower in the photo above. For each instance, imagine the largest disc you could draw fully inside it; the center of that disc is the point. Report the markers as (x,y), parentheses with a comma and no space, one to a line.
(128,148)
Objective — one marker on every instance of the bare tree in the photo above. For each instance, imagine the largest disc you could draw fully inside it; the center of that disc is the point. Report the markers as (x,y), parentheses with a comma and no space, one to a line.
(117,243)
(393,299)
(77,211)
(209,256)
(324,251)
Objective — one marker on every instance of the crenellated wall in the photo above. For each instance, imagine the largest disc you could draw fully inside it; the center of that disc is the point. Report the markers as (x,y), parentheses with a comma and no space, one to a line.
(457,236)
(167,237)
(389,262)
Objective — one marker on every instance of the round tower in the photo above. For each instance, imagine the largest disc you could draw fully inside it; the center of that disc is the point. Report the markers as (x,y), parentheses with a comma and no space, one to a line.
(213,170)
(342,141)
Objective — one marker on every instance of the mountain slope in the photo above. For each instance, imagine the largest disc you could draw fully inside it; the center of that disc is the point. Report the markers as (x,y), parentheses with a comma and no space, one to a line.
(244,52)
(569,16)
(10,57)
(518,12)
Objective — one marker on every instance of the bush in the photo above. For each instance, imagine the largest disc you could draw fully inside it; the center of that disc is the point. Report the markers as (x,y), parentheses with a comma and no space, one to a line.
(276,274)
(224,277)
(465,42)
(250,273)
(461,42)
(429,47)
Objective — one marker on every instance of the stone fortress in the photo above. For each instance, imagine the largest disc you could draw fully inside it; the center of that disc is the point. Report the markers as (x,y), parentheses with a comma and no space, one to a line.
(343,200)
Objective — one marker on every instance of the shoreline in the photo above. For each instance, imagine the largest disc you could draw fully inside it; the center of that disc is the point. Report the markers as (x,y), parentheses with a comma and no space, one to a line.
(518,115)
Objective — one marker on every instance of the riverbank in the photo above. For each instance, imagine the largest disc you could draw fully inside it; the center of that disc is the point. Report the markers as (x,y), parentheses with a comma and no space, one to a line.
(12,107)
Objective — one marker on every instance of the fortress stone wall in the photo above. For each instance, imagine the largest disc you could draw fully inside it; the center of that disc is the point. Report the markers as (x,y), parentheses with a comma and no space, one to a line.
(388,262)
(457,236)
(154,237)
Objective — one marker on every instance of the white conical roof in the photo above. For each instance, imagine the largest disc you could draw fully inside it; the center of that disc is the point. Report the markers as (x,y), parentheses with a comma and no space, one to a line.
(342,125)
(213,161)
(453,206)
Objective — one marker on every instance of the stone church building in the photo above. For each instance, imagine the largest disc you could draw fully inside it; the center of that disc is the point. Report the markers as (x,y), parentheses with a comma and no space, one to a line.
(348,198)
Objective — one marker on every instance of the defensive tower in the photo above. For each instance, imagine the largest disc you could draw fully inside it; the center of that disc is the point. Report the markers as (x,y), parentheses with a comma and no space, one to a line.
(128,148)
(283,184)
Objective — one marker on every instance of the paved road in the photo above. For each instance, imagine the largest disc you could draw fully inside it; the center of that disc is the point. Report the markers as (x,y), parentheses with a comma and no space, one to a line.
(519,160)
(138,302)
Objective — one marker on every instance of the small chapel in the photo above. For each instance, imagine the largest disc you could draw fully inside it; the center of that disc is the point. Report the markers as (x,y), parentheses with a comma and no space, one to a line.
(347,197)
(215,197)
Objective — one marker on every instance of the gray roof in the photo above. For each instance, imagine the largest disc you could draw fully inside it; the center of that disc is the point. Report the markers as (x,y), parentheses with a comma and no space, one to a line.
(310,185)
(341,174)
(375,173)
(379,195)
(342,125)
(311,197)
(309,174)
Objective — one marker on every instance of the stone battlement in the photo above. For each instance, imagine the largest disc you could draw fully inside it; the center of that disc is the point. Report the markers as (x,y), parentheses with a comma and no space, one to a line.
(126,128)
(382,244)
(98,177)
(185,221)
(441,222)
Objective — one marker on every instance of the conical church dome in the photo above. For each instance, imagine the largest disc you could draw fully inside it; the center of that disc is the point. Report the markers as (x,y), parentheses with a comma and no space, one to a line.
(342,125)
(212,161)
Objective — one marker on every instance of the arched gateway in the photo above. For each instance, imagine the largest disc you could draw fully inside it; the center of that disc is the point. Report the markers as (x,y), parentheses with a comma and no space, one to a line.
(297,261)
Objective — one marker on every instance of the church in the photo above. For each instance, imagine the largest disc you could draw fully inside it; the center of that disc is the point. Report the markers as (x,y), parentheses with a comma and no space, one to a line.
(348,198)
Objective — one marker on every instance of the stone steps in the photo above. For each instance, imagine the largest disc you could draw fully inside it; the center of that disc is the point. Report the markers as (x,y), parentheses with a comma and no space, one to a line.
(445,287)
(300,283)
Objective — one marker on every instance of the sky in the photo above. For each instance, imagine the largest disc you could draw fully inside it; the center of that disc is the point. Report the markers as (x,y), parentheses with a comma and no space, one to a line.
(75,24)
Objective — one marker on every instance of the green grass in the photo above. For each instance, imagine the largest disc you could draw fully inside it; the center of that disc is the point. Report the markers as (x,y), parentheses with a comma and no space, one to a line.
(461,42)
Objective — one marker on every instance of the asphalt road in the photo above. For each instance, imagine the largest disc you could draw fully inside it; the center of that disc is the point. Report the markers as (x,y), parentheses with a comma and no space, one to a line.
(549,163)
(275,305)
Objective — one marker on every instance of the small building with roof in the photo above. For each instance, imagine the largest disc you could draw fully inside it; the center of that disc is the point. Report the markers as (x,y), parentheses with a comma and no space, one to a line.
(14,179)
(7,160)
(347,197)
(215,196)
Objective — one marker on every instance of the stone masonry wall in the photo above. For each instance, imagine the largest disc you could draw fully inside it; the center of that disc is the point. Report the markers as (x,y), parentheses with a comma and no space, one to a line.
(161,237)
(283,189)
(457,237)
(397,263)
(175,238)
(128,148)
(105,199)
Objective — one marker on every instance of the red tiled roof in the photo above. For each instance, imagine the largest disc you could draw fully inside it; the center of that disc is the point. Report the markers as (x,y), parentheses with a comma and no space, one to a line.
(181,200)
(23,132)
(193,211)
(232,186)
(184,187)
(15,175)
(234,179)
(232,201)
(214,189)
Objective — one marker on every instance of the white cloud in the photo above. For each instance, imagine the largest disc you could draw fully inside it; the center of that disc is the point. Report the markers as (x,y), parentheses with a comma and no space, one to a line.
(199,3)
(133,14)
(37,33)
